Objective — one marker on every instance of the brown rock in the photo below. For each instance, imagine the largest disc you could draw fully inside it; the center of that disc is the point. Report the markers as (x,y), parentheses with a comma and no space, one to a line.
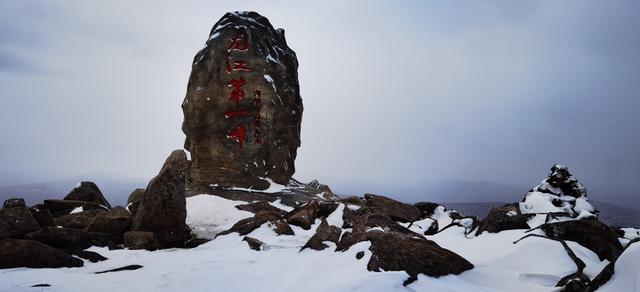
(134,201)
(507,217)
(305,215)
(243,109)
(80,220)
(393,209)
(19,253)
(116,222)
(163,207)
(281,227)
(14,202)
(426,208)
(259,207)
(247,225)
(253,243)
(88,192)
(140,240)
(64,207)
(325,232)
(589,233)
(44,217)
(16,222)
(70,239)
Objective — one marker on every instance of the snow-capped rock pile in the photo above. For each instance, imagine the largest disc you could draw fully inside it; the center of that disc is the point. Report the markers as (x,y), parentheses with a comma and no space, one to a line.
(558,197)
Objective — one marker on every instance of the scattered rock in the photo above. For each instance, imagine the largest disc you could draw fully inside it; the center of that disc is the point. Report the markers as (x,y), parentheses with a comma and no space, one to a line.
(70,239)
(253,243)
(326,208)
(427,209)
(14,202)
(18,253)
(360,255)
(163,207)
(259,207)
(64,207)
(41,285)
(325,232)
(140,240)
(393,251)
(91,256)
(242,120)
(589,233)
(44,217)
(116,222)
(507,217)
(80,220)
(433,228)
(134,201)
(125,268)
(281,227)
(247,225)
(393,209)
(88,192)
(15,222)
(305,215)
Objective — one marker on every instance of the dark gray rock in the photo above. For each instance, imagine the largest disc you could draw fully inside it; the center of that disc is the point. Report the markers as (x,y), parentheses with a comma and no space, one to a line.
(163,207)
(70,239)
(393,209)
(87,192)
(19,253)
(15,202)
(15,222)
(507,217)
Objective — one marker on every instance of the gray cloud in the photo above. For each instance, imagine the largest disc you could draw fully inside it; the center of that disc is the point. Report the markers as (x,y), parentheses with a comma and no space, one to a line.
(400,93)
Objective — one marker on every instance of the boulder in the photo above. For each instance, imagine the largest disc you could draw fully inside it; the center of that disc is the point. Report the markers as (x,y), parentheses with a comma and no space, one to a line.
(393,209)
(134,201)
(507,217)
(14,202)
(281,227)
(70,239)
(247,225)
(15,222)
(305,215)
(259,207)
(44,217)
(243,110)
(393,251)
(87,191)
(433,228)
(140,240)
(116,222)
(64,207)
(326,208)
(325,232)
(19,253)
(254,244)
(80,220)
(163,207)
(589,233)
(426,208)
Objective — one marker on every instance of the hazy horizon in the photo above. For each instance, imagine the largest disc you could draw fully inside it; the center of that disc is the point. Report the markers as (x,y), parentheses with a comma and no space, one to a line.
(394,93)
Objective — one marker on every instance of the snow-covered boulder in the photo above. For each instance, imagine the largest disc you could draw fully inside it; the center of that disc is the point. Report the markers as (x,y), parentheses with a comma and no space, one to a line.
(558,197)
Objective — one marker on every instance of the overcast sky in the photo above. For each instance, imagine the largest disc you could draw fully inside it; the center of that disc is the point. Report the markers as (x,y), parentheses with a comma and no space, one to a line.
(400,92)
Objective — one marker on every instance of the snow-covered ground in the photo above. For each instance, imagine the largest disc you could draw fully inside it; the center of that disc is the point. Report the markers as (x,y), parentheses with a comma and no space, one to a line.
(227,263)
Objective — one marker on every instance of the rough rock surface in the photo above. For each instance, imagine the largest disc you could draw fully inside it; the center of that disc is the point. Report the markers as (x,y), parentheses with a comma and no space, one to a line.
(44,217)
(16,222)
(134,201)
(305,215)
(163,207)
(507,217)
(590,233)
(18,253)
(14,202)
(80,220)
(254,244)
(325,232)
(245,226)
(70,239)
(88,192)
(140,240)
(393,209)
(115,222)
(64,207)
(259,207)
(242,110)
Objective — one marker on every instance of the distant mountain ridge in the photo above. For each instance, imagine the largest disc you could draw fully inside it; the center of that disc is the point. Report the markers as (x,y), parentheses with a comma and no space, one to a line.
(115,187)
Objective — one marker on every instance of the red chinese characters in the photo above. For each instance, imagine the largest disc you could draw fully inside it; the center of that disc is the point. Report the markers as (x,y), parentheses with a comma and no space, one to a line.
(239,133)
